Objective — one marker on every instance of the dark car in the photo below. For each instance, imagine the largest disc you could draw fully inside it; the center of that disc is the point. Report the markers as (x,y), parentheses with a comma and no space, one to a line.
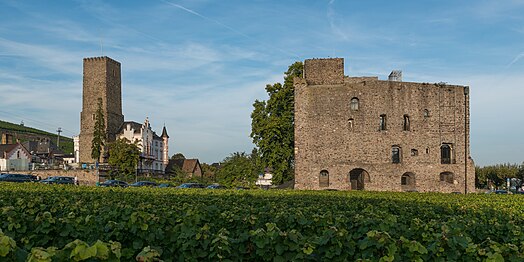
(499,192)
(17,178)
(191,185)
(216,186)
(64,180)
(164,185)
(114,183)
(144,183)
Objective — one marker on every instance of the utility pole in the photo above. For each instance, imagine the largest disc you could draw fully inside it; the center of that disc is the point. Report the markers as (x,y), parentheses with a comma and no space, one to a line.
(58,138)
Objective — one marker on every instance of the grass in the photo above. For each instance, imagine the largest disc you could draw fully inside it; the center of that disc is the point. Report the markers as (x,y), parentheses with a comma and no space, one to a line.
(66,143)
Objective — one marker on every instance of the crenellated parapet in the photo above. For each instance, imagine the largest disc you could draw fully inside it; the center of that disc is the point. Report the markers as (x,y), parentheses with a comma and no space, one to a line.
(324,71)
(101,58)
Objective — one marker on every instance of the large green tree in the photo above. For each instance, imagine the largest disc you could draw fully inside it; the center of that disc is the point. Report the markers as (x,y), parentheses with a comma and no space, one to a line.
(272,126)
(123,157)
(99,133)
(239,169)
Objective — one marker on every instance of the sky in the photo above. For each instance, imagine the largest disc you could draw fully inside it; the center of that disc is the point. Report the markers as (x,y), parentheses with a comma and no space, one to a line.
(197,66)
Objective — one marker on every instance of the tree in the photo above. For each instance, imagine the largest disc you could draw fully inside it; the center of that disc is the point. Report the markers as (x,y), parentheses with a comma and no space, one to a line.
(272,126)
(124,157)
(178,156)
(99,133)
(495,175)
(238,169)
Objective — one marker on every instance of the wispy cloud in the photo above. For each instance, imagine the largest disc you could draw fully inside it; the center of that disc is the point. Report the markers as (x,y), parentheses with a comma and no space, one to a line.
(516,59)
(286,52)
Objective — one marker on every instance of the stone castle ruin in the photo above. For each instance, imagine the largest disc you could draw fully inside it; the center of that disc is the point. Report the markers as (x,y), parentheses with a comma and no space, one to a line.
(362,133)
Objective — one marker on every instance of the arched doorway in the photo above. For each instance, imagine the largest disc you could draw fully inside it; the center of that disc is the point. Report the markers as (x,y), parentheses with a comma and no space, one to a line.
(358,177)
(407,181)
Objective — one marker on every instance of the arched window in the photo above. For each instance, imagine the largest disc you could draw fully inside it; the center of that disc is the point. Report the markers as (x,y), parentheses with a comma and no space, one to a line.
(395,154)
(405,125)
(447,177)
(323,179)
(383,122)
(354,104)
(445,154)
(351,123)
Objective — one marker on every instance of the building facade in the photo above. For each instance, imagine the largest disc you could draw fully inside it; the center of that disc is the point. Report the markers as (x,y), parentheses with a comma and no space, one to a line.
(153,149)
(14,157)
(362,133)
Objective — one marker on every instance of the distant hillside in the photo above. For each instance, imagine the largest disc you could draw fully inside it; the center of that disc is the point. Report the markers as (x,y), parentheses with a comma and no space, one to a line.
(24,133)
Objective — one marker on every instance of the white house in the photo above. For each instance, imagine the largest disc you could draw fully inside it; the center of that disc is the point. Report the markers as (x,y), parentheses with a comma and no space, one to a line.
(154,155)
(14,157)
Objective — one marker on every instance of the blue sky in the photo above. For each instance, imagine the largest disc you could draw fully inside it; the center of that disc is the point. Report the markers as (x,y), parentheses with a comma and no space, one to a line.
(198,65)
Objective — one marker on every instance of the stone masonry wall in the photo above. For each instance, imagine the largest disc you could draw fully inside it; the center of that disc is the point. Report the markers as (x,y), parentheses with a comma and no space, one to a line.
(101,79)
(324,71)
(85,177)
(330,136)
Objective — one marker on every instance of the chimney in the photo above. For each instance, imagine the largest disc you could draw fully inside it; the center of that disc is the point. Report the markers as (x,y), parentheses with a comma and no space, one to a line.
(396,75)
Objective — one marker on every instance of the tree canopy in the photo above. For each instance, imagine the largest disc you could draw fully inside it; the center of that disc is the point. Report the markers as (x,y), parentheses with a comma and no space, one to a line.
(496,175)
(123,157)
(272,126)
(239,169)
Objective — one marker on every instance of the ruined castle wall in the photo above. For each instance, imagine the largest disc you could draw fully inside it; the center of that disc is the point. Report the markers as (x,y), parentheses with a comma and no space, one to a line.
(330,136)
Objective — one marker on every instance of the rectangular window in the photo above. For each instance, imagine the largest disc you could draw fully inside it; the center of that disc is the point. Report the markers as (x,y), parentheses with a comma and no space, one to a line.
(406,123)
(395,154)
(383,122)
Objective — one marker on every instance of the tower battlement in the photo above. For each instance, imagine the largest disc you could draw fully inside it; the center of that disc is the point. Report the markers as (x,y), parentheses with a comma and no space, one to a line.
(324,71)
(101,58)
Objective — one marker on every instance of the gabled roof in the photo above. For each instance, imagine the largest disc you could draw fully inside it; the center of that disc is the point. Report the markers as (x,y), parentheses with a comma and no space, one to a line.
(5,149)
(134,125)
(186,165)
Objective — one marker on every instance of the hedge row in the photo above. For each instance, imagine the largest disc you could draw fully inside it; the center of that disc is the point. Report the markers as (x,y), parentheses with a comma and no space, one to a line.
(255,225)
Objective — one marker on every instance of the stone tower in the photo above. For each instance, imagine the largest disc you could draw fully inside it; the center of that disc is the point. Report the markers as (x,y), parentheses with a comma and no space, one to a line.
(101,80)
(165,139)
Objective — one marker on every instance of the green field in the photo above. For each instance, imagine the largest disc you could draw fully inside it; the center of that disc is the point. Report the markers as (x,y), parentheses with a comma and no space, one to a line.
(66,143)
(255,225)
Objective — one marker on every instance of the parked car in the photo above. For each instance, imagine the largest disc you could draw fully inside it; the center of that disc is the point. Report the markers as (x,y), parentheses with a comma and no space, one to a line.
(114,183)
(216,186)
(17,178)
(164,185)
(191,185)
(64,180)
(499,192)
(143,183)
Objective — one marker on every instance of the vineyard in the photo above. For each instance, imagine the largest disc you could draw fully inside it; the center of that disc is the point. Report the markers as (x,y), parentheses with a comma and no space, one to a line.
(61,223)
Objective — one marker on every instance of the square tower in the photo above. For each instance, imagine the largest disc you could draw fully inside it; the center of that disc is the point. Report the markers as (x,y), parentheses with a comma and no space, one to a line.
(101,80)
